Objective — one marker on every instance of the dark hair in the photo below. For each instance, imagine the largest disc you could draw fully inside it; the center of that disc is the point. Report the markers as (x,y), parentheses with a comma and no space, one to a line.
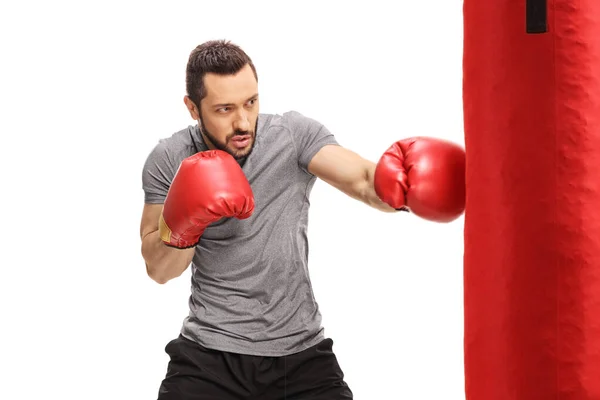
(215,56)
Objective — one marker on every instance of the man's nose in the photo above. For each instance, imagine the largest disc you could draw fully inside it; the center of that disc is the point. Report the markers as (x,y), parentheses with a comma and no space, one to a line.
(242,123)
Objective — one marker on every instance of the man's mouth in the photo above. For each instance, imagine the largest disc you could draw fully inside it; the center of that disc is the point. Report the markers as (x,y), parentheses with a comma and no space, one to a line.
(240,141)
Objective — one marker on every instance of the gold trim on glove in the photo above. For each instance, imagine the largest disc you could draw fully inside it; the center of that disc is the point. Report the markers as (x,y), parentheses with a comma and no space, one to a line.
(163,230)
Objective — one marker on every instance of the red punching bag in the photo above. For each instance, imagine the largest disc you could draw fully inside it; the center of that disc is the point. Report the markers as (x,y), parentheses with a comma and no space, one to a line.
(531,91)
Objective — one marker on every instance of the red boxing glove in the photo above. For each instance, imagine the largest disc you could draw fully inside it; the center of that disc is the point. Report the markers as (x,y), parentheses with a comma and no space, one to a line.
(425,176)
(207,186)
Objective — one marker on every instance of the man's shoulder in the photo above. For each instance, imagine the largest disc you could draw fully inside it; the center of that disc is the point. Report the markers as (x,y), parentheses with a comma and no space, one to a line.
(184,142)
(185,137)
(174,148)
(289,115)
(290,120)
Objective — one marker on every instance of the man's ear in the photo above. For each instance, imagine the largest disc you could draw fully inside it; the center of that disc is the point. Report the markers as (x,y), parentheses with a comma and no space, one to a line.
(192,108)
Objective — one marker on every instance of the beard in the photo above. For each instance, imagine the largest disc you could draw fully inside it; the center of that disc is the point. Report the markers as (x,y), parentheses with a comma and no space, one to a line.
(239,154)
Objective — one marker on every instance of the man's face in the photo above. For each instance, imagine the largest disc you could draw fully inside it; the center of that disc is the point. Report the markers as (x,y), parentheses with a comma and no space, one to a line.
(229,112)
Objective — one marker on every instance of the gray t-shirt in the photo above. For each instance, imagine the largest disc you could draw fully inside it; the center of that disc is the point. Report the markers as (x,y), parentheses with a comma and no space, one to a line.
(251,292)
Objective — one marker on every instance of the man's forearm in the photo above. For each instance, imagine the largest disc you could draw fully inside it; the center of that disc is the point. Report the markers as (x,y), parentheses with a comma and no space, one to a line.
(164,263)
(369,196)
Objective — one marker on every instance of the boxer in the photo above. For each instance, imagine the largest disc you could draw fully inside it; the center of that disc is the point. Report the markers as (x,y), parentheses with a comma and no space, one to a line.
(229,196)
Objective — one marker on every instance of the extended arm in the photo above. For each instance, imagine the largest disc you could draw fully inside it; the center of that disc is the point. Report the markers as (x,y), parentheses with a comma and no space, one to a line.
(423,175)
(348,172)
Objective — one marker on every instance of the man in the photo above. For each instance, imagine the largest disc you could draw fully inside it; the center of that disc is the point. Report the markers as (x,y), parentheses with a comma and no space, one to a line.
(230,197)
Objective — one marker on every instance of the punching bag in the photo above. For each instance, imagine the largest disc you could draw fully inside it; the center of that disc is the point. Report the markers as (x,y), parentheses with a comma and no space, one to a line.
(531,91)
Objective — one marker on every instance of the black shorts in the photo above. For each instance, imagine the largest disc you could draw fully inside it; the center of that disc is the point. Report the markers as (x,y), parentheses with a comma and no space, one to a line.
(196,373)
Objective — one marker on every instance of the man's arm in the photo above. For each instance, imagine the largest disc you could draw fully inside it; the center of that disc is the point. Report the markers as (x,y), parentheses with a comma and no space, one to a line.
(348,172)
(163,262)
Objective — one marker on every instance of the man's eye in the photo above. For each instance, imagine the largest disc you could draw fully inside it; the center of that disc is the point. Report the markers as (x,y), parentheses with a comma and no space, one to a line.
(223,109)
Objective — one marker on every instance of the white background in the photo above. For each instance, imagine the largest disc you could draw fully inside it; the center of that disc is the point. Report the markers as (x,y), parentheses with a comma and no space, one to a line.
(87,89)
